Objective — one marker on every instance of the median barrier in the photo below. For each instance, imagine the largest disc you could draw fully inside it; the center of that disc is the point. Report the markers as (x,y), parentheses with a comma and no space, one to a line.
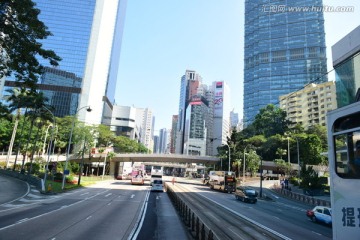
(301,197)
(192,221)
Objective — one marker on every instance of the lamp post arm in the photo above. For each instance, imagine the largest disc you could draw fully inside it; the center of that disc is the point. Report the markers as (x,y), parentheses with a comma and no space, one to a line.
(68,152)
(229,157)
(70,138)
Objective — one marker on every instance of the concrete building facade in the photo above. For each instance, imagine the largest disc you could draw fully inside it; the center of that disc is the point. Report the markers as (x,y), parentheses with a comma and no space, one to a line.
(309,106)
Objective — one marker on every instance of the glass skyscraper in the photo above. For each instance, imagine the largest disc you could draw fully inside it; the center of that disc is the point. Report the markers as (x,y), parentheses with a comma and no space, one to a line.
(284,50)
(87,35)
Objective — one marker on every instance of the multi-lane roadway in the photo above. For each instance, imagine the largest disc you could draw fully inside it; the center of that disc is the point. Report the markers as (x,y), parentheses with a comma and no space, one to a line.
(119,210)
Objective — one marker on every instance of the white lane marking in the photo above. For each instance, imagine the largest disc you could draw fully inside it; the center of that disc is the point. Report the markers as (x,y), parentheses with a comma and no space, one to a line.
(317,233)
(157,197)
(22,220)
(235,233)
(88,217)
(84,193)
(62,207)
(137,227)
(132,195)
(108,194)
(275,196)
(213,216)
(48,213)
(109,204)
(34,196)
(246,218)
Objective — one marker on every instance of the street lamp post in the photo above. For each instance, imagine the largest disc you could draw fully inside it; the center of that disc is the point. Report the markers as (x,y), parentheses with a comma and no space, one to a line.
(68,149)
(298,156)
(46,133)
(288,150)
(49,149)
(261,177)
(229,157)
(244,165)
(82,163)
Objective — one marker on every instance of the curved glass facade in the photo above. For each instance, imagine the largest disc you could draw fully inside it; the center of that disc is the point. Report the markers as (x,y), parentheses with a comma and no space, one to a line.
(284,50)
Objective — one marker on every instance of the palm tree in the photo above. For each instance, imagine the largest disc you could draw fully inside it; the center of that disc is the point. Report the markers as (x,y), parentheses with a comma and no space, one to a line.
(18,100)
(38,101)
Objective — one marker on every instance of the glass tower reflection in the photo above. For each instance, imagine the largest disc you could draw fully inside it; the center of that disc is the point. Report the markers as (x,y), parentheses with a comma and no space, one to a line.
(284,50)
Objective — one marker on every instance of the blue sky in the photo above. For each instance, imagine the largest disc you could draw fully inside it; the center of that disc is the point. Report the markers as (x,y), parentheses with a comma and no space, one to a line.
(163,38)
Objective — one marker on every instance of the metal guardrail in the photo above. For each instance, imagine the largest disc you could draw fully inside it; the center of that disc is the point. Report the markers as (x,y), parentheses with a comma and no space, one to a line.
(303,198)
(194,224)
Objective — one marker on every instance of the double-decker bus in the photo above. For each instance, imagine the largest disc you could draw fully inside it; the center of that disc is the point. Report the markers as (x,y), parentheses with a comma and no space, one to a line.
(222,180)
(138,173)
(343,126)
(156,173)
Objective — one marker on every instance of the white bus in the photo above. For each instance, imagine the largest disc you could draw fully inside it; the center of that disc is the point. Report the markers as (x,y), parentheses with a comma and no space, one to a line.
(156,173)
(343,126)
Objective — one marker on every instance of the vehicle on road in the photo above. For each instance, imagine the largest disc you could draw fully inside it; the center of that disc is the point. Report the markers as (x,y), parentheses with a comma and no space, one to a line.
(157,173)
(320,214)
(157,186)
(222,180)
(246,194)
(343,127)
(137,174)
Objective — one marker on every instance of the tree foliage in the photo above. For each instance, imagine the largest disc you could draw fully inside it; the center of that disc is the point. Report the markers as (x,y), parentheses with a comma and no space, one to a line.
(21,33)
(271,120)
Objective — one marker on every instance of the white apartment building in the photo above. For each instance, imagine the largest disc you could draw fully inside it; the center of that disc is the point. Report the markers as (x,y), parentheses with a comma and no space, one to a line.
(145,119)
(309,106)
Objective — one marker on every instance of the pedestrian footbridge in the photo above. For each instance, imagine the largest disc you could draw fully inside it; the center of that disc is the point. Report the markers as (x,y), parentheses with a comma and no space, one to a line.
(141,157)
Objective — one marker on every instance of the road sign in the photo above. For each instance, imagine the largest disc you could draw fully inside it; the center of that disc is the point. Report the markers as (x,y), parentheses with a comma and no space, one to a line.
(66,172)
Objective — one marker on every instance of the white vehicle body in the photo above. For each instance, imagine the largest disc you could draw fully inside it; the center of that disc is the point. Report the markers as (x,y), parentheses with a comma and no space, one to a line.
(343,126)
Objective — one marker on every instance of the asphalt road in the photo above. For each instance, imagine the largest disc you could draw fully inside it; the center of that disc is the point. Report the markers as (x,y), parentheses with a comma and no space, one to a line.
(281,215)
(12,189)
(107,210)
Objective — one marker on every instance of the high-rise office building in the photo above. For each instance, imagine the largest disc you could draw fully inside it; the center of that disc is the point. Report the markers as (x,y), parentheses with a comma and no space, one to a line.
(174,121)
(196,126)
(64,102)
(145,118)
(221,115)
(284,51)
(163,140)
(188,88)
(87,36)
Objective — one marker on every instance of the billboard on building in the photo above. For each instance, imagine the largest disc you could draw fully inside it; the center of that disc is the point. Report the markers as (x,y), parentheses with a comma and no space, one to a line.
(218,99)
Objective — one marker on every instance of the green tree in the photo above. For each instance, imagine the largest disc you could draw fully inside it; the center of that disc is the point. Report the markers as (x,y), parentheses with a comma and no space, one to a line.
(123,144)
(270,120)
(282,166)
(21,33)
(268,149)
(312,154)
(321,132)
(6,128)
(252,162)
